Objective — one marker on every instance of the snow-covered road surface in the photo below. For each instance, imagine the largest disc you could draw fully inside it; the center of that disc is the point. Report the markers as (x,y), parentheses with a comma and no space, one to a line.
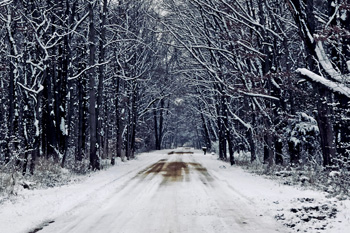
(161,193)
(175,194)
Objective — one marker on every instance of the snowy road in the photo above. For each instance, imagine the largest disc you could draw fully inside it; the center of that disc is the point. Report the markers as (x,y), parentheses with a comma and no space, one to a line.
(175,194)
(171,193)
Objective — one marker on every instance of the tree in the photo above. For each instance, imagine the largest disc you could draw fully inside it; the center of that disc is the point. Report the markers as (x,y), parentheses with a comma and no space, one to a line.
(333,82)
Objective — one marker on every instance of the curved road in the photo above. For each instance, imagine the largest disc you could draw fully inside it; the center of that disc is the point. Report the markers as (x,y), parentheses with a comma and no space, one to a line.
(175,194)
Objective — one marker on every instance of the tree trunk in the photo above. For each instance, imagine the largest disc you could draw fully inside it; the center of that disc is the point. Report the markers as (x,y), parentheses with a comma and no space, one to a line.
(205,131)
(158,124)
(81,118)
(13,123)
(119,123)
(325,126)
(268,145)
(251,144)
(161,120)
(133,124)
(69,71)
(101,71)
(94,159)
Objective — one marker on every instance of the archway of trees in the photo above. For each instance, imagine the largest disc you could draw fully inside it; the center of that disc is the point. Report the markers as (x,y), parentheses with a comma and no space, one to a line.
(90,80)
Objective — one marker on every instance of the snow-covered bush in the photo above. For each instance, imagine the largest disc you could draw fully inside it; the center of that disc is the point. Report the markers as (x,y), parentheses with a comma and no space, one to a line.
(215,147)
(244,159)
(302,139)
(7,183)
(49,174)
(338,179)
(336,183)
(9,175)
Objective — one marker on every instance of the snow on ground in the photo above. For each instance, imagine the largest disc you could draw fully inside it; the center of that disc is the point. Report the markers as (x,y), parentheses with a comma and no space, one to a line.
(174,193)
(299,209)
(31,208)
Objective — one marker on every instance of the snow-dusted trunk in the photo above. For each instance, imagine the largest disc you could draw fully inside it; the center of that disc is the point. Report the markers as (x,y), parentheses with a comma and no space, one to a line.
(106,130)
(15,64)
(32,101)
(37,128)
(13,106)
(128,134)
(118,119)
(82,107)
(155,120)
(268,144)
(60,81)
(221,125)
(70,13)
(226,126)
(325,126)
(266,49)
(161,122)
(205,132)
(61,98)
(25,133)
(49,140)
(101,74)
(158,124)
(251,141)
(133,121)
(94,159)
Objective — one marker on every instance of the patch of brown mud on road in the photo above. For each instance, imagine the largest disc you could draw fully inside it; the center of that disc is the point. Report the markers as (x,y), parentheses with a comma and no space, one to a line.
(157,167)
(176,171)
(173,172)
(205,176)
(154,169)
(180,152)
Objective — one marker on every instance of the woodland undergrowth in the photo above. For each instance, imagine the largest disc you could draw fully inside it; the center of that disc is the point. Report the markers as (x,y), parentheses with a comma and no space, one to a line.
(334,180)
(47,174)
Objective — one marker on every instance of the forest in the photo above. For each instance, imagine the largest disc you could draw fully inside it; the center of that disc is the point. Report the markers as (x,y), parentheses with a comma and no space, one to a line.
(87,81)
